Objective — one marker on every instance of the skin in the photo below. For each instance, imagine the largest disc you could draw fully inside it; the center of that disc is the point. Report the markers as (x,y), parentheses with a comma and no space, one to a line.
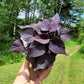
(27,75)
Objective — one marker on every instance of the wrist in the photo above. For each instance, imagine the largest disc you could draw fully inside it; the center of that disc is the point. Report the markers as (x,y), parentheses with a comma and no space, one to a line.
(21,78)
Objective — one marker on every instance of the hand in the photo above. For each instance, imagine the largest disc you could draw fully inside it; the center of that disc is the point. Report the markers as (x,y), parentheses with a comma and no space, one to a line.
(27,75)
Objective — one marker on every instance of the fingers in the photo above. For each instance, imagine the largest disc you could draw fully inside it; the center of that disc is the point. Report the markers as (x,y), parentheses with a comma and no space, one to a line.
(24,71)
(24,66)
(45,74)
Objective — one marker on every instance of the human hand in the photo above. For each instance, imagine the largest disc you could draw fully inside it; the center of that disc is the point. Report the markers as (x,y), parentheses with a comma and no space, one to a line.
(27,75)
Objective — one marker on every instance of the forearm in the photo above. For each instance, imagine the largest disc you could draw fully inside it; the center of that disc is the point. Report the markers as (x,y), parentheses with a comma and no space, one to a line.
(22,77)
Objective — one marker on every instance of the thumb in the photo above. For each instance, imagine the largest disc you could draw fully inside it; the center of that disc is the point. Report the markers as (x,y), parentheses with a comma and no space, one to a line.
(44,74)
(24,66)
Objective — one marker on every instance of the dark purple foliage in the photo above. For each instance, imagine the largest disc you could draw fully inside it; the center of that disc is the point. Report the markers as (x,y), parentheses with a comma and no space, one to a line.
(36,49)
(65,37)
(33,61)
(65,34)
(33,25)
(42,38)
(51,24)
(27,34)
(18,47)
(43,41)
(45,61)
(57,46)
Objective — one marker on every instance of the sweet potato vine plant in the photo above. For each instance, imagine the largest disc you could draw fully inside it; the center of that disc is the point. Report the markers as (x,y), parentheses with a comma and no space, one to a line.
(41,42)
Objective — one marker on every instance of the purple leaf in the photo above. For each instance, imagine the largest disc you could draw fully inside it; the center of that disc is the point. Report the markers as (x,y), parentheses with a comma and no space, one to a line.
(34,26)
(42,38)
(63,31)
(65,34)
(57,46)
(56,18)
(45,25)
(22,27)
(34,61)
(65,37)
(45,61)
(27,34)
(28,26)
(17,47)
(25,44)
(51,24)
(37,28)
(36,49)
(56,25)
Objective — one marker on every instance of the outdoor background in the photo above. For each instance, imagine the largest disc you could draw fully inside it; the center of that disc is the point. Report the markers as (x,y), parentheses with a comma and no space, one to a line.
(66,69)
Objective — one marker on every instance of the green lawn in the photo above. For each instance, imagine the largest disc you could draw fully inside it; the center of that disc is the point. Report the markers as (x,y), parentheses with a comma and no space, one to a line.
(9,72)
(66,69)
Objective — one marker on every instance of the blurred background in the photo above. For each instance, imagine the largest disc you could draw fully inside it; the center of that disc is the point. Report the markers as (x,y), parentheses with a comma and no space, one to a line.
(66,70)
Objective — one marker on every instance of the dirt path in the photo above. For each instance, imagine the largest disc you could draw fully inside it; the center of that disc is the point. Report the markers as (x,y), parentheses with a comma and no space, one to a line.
(68,51)
(74,51)
(62,69)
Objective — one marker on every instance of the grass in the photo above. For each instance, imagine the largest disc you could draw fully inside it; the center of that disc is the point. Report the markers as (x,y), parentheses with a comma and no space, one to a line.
(8,73)
(66,69)
(10,57)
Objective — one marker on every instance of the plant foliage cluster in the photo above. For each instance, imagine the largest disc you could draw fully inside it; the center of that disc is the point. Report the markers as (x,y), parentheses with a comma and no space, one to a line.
(70,12)
(41,42)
